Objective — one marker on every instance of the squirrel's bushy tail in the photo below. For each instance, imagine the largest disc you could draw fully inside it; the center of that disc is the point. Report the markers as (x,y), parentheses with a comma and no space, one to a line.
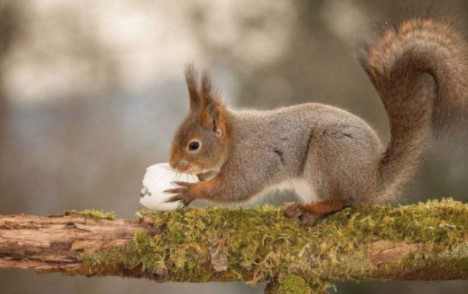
(420,70)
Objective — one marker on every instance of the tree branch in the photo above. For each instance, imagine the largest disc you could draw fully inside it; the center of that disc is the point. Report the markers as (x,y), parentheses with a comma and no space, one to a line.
(428,241)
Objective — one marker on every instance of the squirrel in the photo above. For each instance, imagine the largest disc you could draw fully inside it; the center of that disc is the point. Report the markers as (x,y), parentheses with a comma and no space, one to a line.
(331,158)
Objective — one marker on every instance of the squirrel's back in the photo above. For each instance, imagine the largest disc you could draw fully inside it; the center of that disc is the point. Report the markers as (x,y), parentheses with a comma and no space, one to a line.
(419,68)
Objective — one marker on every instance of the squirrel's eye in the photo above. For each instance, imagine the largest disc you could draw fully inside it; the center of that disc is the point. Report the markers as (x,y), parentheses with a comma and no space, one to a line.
(194,146)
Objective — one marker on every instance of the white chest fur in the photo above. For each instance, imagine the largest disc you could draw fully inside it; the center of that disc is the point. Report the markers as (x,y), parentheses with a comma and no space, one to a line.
(303,189)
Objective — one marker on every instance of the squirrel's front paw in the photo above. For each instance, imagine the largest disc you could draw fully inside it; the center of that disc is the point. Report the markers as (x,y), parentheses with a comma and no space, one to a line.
(299,214)
(184,193)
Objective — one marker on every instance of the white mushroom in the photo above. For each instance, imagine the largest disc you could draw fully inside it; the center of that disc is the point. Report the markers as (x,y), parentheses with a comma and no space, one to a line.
(159,178)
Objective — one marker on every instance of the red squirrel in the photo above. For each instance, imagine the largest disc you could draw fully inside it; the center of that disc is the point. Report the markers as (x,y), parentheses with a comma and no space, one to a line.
(331,158)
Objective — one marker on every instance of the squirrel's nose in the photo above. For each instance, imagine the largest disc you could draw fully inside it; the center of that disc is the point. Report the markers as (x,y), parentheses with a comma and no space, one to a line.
(179,164)
(182,163)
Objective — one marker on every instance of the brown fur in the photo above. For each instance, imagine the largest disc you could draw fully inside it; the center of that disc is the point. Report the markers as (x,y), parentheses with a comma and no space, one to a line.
(206,122)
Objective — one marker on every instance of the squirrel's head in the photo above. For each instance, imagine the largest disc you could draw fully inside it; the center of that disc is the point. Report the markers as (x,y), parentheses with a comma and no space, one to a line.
(200,144)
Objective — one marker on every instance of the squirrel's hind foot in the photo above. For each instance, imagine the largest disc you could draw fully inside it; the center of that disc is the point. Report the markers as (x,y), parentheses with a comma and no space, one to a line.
(299,214)
(310,214)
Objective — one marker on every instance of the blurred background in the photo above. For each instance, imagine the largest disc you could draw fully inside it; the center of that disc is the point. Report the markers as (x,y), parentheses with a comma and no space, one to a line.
(91,92)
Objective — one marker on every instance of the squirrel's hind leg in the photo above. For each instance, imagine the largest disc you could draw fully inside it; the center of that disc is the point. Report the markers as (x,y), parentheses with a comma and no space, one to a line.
(309,214)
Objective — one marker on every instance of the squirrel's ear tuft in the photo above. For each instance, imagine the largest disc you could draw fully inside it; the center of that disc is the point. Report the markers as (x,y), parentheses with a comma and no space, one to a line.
(191,78)
(212,108)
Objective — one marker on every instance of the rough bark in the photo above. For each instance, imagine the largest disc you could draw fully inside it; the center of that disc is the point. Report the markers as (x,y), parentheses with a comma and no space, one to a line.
(55,243)
(428,241)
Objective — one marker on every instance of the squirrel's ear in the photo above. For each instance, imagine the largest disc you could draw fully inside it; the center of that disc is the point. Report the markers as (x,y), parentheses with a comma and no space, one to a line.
(212,116)
(212,108)
(192,85)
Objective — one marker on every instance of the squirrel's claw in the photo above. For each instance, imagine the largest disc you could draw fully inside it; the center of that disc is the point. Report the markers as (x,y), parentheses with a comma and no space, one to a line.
(184,198)
(182,188)
(183,193)
(183,184)
(176,190)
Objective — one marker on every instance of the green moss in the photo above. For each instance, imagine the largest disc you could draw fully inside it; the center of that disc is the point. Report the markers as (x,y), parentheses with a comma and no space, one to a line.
(292,284)
(93,213)
(260,242)
(435,225)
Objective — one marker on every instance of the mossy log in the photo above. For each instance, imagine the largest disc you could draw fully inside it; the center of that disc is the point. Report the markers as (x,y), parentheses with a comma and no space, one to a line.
(427,241)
